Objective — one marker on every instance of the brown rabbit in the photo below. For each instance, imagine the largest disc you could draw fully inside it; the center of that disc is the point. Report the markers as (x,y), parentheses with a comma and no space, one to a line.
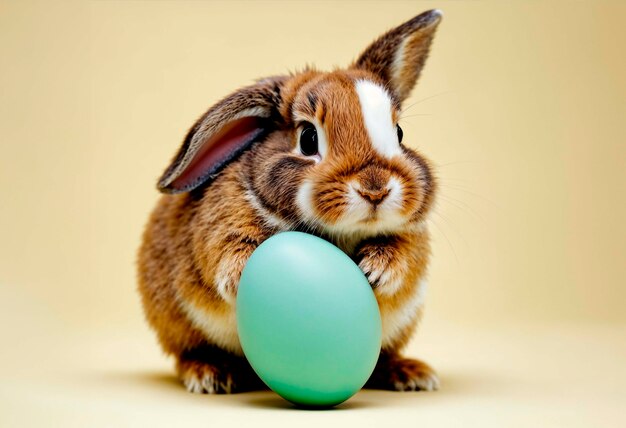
(319,152)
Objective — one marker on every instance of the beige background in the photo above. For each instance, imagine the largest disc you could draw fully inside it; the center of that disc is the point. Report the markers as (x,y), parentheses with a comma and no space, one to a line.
(522,106)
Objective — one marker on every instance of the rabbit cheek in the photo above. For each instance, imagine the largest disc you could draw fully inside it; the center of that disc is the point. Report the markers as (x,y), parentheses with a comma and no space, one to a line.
(322,203)
(278,185)
(331,201)
(412,193)
(421,183)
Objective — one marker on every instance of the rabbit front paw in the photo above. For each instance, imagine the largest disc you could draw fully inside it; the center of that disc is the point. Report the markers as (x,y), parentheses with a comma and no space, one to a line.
(383,267)
(228,274)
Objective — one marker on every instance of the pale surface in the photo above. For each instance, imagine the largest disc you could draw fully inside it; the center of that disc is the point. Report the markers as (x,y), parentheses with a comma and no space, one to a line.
(521,107)
(516,376)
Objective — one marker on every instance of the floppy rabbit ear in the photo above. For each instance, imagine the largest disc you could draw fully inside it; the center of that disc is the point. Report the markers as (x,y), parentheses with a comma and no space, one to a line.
(223,133)
(398,56)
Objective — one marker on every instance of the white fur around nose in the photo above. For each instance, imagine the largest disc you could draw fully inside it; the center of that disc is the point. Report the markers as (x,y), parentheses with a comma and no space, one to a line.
(376,108)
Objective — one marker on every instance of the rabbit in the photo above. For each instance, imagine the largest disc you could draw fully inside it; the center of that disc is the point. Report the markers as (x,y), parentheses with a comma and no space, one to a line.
(312,151)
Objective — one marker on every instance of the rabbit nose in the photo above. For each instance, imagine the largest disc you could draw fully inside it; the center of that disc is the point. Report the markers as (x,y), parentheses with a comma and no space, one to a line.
(373,184)
(376,196)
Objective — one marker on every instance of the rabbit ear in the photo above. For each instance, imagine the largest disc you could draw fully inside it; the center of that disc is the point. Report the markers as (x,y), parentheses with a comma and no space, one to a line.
(223,133)
(398,56)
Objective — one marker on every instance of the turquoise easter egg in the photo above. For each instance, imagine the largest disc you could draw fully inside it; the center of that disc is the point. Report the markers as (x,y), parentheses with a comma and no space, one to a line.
(308,320)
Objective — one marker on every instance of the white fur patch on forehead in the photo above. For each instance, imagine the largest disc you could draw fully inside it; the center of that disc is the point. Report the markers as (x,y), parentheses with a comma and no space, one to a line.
(376,108)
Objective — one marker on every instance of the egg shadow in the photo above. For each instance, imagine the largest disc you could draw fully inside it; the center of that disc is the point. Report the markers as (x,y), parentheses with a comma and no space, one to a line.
(452,384)
(270,400)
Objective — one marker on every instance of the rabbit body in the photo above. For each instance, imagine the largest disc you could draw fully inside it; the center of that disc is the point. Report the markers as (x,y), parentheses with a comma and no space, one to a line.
(313,151)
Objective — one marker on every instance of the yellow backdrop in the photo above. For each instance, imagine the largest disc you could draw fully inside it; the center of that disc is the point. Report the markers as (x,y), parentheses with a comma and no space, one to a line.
(522,107)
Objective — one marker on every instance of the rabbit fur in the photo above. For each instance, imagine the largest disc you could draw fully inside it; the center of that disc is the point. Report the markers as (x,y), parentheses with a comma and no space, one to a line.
(242,175)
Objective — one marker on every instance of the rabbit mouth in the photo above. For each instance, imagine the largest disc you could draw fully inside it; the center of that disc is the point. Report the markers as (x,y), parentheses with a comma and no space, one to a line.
(371,225)
(351,208)
(376,221)
(369,221)
(370,215)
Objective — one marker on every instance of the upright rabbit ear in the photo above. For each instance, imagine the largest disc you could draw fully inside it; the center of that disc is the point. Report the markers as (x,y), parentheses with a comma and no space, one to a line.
(398,56)
(223,133)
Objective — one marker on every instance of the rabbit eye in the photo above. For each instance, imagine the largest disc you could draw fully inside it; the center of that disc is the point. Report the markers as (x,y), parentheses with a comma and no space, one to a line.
(400,133)
(308,140)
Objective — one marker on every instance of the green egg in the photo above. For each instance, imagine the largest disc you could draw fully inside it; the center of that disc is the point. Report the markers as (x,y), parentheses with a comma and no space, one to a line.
(308,320)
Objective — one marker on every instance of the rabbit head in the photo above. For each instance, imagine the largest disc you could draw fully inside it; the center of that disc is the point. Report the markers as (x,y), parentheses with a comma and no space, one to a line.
(321,151)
